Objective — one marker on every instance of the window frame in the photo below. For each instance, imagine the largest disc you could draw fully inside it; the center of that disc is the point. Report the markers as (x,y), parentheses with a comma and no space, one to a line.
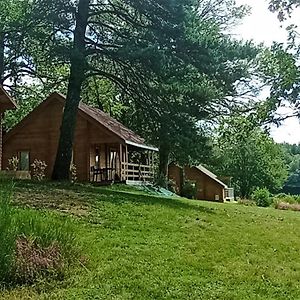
(20,160)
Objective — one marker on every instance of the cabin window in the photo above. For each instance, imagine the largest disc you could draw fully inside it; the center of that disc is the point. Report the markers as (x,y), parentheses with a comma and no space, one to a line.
(24,162)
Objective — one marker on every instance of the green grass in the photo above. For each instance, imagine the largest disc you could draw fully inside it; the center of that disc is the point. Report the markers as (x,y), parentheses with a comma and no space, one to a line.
(28,239)
(146,247)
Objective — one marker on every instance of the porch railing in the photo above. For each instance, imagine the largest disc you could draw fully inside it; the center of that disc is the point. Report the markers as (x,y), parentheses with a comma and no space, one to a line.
(137,172)
(229,194)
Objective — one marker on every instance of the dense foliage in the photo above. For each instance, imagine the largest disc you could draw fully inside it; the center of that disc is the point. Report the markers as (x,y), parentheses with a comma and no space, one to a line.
(164,68)
(262,198)
(292,160)
(283,7)
(168,63)
(250,156)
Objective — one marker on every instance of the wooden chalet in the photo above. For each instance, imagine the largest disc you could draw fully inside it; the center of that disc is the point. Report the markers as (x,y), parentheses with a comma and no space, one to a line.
(104,149)
(6,103)
(208,186)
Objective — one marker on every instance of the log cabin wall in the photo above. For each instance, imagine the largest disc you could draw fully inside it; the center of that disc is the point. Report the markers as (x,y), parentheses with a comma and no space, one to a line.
(207,188)
(39,135)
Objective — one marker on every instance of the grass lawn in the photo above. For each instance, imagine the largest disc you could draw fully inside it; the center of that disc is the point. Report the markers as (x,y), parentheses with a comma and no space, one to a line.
(145,247)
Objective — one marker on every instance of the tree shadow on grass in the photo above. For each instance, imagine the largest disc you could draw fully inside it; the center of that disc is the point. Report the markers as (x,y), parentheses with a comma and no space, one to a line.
(92,194)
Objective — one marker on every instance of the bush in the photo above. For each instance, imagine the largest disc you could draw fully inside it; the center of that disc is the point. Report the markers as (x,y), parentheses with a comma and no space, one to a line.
(297,198)
(13,164)
(73,173)
(34,244)
(38,169)
(189,189)
(161,181)
(262,197)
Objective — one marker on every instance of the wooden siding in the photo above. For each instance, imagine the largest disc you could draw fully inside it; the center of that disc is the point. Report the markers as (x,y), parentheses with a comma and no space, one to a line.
(40,134)
(207,188)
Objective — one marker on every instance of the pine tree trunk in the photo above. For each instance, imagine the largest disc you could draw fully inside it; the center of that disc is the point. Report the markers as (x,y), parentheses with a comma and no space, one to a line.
(164,155)
(78,64)
(2,66)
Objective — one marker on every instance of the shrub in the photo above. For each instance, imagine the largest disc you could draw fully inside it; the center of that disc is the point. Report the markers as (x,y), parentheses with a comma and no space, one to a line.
(73,173)
(38,169)
(189,189)
(33,244)
(262,198)
(13,164)
(160,180)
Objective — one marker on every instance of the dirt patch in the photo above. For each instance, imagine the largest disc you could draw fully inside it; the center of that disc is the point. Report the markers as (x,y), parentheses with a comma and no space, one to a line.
(66,201)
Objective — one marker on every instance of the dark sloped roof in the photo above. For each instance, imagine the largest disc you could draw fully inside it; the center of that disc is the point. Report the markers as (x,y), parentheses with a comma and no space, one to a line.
(103,119)
(111,124)
(210,174)
(6,101)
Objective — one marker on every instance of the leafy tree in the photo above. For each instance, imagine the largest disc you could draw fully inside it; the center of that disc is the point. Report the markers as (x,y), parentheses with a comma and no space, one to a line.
(169,60)
(283,7)
(104,95)
(280,63)
(111,40)
(12,29)
(292,160)
(281,72)
(23,69)
(250,156)
(19,37)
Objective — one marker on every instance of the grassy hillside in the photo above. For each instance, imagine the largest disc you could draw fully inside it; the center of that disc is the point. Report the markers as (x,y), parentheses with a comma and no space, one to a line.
(145,247)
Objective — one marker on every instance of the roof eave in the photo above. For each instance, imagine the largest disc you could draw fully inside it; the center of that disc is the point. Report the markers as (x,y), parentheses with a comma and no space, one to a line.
(143,146)
(6,101)
(211,175)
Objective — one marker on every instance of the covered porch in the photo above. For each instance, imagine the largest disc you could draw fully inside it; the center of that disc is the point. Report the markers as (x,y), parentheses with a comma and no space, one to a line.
(130,163)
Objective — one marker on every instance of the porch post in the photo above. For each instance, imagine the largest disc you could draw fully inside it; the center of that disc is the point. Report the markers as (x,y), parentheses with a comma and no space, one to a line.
(152,165)
(126,162)
(121,161)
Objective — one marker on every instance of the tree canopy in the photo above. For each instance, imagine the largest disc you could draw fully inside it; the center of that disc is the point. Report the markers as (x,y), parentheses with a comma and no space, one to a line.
(171,64)
(168,69)
(246,153)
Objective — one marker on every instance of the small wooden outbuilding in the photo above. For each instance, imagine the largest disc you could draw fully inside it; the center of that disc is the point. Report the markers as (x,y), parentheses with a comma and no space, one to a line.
(6,103)
(104,149)
(208,186)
